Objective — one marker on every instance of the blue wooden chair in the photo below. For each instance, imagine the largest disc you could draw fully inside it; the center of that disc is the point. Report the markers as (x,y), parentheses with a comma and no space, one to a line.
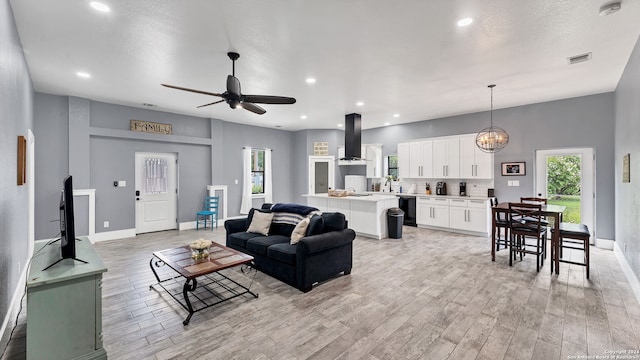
(209,210)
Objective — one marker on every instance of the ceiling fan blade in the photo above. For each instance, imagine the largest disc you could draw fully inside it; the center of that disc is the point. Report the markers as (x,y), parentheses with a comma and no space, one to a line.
(233,85)
(192,90)
(213,103)
(266,99)
(253,108)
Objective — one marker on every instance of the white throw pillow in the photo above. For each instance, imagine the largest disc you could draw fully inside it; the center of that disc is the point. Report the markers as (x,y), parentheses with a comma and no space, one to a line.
(299,231)
(260,223)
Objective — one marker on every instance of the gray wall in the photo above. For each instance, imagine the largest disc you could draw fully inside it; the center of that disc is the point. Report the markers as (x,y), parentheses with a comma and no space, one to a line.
(576,122)
(102,150)
(627,129)
(237,136)
(16,107)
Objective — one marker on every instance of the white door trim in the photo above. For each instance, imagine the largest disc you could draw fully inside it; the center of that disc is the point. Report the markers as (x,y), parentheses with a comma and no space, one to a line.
(31,190)
(587,178)
(312,171)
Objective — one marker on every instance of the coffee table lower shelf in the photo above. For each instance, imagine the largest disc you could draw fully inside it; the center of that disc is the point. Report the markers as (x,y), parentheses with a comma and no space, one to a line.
(198,293)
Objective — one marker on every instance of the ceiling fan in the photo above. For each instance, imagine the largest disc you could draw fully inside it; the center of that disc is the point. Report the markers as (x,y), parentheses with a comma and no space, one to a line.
(234,97)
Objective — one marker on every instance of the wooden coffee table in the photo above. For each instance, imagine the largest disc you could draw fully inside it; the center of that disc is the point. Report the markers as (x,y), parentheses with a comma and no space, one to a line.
(204,286)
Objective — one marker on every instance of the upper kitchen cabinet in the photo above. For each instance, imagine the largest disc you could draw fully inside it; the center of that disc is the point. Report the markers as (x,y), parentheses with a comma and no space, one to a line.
(404,163)
(372,154)
(446,157)
(374,161)
(415,159)
(474,163)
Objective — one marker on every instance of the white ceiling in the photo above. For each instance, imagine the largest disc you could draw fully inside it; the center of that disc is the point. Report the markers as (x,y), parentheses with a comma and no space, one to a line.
(406,57)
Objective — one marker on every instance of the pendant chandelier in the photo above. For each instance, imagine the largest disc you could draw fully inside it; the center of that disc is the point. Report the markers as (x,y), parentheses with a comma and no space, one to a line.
(493,138)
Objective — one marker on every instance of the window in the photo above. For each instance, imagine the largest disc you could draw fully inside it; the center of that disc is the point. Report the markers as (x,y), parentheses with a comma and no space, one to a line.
(393,166)
(257,171)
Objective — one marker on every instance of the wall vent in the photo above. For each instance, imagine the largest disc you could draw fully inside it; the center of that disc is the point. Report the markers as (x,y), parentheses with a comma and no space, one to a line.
(579,58)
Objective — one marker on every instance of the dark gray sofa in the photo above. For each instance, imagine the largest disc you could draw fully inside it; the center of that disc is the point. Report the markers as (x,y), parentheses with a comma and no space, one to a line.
(325,251)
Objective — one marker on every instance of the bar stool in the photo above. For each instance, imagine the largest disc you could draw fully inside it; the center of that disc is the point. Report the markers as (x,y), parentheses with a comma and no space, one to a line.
(501,222)
(577,234)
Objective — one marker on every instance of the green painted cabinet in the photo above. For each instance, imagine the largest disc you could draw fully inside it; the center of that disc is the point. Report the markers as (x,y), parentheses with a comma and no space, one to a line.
(64,304)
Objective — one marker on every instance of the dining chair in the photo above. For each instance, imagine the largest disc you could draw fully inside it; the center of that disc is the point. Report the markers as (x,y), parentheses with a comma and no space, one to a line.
(528,234)
(209,211)
(545,222)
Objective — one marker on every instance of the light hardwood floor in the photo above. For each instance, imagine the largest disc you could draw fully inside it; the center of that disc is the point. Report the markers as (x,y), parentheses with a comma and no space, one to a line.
(429,295)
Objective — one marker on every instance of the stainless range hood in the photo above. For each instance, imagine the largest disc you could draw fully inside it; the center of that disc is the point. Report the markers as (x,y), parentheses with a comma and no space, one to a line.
(352,141)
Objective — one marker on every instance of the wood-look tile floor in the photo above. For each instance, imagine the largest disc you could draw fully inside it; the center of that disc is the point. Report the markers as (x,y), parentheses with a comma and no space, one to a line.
(429,295)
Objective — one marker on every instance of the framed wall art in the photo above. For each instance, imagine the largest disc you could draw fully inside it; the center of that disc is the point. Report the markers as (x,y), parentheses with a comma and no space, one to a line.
(514,168)
(626,177)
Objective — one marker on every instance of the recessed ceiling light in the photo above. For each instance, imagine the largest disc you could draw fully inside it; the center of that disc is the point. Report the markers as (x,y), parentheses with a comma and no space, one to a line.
(149,104)
(465,22)
(99,6)
(359,103)
(278,126)
(83,74)
(396,115)
(303,117)
(311,80)
(339,125)
(387,124)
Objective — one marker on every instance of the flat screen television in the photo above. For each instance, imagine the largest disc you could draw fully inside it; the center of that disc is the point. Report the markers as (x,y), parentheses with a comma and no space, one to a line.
(67,225)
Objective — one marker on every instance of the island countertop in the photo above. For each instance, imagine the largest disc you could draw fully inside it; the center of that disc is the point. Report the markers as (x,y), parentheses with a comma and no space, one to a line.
(371,198)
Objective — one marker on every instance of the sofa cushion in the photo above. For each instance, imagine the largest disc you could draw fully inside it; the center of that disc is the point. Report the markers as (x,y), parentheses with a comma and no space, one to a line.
(260,223)
(334,221)
(259,244)
(316,224)
(240,238)
(285,253)
(299,231)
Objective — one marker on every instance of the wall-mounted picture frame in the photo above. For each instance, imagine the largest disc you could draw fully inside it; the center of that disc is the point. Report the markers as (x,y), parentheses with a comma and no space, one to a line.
(22,160)
(626,177)
(514,168)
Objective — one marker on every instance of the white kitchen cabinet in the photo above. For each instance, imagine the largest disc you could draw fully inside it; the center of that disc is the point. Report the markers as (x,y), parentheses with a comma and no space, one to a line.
(474,163)
(469,215)
(367,215)
(421,159)
(446,157)
(432,212)
(404,162)
(374,161)
(415,160)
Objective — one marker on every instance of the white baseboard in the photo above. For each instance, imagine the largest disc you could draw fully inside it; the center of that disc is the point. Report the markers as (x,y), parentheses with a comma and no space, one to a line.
(606,244)
(631,276)
(112,235)
(187,225)
(9,321)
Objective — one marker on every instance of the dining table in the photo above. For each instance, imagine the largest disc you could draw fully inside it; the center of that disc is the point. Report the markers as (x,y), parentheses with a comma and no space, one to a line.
(548,210)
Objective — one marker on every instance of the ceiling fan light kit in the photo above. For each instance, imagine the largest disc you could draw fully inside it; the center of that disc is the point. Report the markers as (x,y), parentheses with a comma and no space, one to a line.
(234,97)
(493,138)
(610,8)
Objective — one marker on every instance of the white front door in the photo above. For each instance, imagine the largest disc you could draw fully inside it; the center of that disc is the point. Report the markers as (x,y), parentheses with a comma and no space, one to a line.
(566,177)
(156,192)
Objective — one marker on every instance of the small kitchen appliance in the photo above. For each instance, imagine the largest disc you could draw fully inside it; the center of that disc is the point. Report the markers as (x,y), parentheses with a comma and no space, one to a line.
(463,188)
(441,188)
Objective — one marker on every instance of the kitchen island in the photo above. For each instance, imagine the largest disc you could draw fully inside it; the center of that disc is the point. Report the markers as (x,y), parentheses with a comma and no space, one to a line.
(366,214)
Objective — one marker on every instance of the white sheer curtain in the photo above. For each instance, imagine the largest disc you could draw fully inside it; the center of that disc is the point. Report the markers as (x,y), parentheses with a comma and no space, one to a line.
(268,188)
(246,181)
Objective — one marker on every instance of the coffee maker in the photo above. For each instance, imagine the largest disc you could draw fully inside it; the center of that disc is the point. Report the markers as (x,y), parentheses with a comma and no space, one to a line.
(463,188)
(441,188)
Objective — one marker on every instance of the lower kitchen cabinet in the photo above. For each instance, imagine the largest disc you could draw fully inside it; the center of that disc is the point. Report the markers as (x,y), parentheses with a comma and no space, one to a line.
(432,212)
(461,214)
